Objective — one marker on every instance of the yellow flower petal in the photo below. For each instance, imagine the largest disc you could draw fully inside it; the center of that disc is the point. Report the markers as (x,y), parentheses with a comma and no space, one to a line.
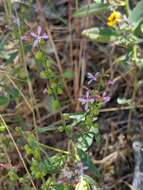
(114,18)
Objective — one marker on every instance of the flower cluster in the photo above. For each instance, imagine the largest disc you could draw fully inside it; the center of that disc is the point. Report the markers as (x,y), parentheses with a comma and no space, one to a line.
(72,174)
(86,100)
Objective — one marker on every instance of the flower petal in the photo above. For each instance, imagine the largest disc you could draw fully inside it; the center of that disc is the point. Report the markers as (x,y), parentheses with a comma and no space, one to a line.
(82,100)
(45,36)
(91,100)
(39,30)
(86,106)
(89,82)
(89,75)
(104,94)
(106,99)
(33,34)
(36,42)
(87,94)
(110,82)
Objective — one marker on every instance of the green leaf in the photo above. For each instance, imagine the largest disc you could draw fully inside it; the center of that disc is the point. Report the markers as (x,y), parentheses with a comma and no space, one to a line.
(39,56)
(82,185)
(62,187)
(4,55)
(13,175)
(137,13)
(90,180)
(4,100)
(12,56)
(84,141)
(68,74)
(2,128)
(101,34)
(75,116)
(13,93)
(88,162)
(55,105)
(50,165)
(124,101)
(138,29)
(92,9)
(47,129)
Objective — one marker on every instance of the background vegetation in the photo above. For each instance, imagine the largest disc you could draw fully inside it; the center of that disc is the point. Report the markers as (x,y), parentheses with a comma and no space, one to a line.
(71,92)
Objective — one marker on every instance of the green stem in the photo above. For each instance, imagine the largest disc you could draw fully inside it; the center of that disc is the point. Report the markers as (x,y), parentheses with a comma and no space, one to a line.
(54,149)
(127,7)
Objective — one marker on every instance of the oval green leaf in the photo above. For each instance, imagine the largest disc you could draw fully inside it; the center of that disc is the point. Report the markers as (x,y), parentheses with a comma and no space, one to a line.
(137,13)
(3,100)
(101,34)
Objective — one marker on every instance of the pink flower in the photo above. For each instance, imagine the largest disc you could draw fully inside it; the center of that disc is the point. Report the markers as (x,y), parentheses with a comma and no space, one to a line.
(92,78)
(38,36)
(86,100)
(105,97)
(110,82)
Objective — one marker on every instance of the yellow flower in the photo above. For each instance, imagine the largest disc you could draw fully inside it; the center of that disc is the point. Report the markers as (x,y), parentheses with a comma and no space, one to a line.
(114,18)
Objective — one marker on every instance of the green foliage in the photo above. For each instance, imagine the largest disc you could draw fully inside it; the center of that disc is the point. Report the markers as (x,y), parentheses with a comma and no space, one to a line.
(84,141)
(90,180)
(88,162)
(13,175)
(35,125)
(92,9)
(4,100)
(55,105)
(51,184)
(68,74)
(50,165)
(13,93)
(136,14)
(101,34)
(82,185)
(123,101)
(33,147)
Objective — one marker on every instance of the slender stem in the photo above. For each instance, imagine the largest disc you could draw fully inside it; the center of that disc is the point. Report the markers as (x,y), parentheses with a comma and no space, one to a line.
(135,85)
(54,149)
(7,7)
(127,7)
(28,80)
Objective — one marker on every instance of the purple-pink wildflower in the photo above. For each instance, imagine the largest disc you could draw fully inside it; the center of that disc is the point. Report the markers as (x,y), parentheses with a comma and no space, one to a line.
(80,169)
(91,77)
(38,36)
(110,82)
(67,173)
(105,97)
(86,100)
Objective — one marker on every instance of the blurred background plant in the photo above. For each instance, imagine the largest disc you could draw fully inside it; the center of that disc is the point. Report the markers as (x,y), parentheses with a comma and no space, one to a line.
(70,93)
